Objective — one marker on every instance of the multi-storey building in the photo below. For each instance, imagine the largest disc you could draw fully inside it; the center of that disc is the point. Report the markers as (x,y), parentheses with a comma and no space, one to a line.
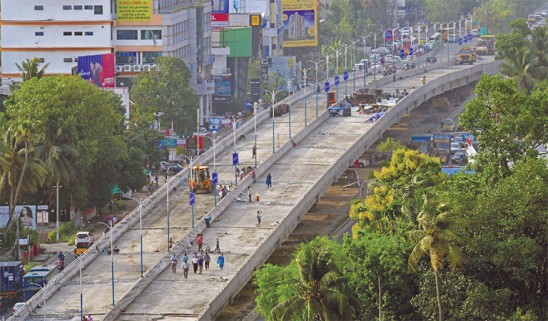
(59,31)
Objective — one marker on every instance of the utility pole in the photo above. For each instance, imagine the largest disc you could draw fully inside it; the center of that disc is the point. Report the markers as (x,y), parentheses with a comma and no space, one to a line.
(56,213)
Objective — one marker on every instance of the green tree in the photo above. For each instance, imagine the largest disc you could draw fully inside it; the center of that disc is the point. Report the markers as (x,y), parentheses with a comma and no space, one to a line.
(30,68)
(438,238)
(166,90)
(70,112)
(440,10)
(396,190)
(509,123)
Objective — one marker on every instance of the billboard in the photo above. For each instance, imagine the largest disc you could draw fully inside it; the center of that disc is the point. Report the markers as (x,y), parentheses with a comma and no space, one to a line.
(134,10)
(300,21)
(27,213)
(97,69)
(219,13)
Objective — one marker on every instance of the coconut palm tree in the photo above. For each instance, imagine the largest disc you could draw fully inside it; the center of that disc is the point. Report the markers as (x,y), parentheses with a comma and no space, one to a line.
(539,46)
(30,68)
(521,66)
(321,295)
(436,238)
(57,156)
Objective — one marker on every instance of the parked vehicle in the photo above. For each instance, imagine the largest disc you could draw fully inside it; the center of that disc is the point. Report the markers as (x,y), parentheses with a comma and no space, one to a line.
(17,306)
(41,276)
(459,158)
(83,241)
(475,32)
(11,287)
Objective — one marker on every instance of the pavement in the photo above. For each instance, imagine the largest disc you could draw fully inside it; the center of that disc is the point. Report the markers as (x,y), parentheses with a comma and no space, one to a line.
(169,296)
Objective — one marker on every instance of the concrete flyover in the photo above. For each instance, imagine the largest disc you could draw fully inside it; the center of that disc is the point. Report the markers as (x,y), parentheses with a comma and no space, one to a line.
(301,173)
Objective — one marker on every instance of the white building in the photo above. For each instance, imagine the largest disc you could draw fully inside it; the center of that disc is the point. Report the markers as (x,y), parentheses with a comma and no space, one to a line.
(58,31)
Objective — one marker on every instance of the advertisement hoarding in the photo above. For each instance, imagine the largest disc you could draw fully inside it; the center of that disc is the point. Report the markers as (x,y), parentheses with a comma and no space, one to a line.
(97,69)
(219,13)
(300,21)
(134,10)
(27,213)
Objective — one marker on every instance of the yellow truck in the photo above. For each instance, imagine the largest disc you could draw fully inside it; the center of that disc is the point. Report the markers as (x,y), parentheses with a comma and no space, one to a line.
(486,45)
(465,56)
(199,180)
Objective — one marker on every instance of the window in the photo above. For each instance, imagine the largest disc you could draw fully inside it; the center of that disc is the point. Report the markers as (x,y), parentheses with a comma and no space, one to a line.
(67,59)
(67,7)
(98,9)
(39,33)
(126,34)
(41,60)
(67,33)
(78,33)
(151,34)
(38,7)
(88,7)
(149,57)
(77,7)
(88,33)
(126,58)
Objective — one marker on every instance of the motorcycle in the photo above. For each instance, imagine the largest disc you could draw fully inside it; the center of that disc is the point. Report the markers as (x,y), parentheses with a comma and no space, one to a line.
(60,265)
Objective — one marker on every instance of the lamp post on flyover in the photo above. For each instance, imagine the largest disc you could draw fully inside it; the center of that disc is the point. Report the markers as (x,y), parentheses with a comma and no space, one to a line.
(140,232)
(272,102)
(41,287)
(365,62)
(81,294)
(111,257)
(234,122)
(255,112)
(316,65)
(305,76)
(289,83)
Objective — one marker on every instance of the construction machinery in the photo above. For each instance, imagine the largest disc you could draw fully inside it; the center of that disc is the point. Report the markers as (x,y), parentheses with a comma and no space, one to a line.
(448,125)
(486,45)
(200,180)
(465,56)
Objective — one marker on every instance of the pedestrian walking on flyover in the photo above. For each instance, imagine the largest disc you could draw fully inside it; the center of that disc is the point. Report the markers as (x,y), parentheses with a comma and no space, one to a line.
(268,181)
(174,263)
(424,80)
(185,269)
(217,247)
(221,261)
(199,242)
(195,262)
(254,155)
(207,259)
(200,263)
(259,216)
(249,193)
(253,174)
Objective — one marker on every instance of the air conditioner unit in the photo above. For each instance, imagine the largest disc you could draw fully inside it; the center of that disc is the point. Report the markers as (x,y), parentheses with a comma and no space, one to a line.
(146,67)
(136,68)
(119,68)
(127,67)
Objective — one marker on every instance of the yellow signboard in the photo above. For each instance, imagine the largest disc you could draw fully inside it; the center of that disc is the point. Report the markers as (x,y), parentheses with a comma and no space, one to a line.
(134,10)
(255,20)
(300,18)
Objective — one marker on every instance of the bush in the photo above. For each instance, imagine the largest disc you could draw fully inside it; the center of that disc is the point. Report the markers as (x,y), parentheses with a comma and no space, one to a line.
(67,232)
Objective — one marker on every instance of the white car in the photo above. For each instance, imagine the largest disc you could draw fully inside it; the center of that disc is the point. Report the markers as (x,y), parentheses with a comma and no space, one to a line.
(375,57)
(406,31)
(203,132)
(18,306)
(83,237)
(544,13)
(475,32)
(376,69)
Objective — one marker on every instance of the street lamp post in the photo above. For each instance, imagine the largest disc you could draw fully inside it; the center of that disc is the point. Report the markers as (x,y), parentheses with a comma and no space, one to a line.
(140,233)
(41,287)
(214,141)
(273,94)
(111,257)
(365,62)
(255,112)
(289,83)
(167,211)
(316,65)
(305,76)
(234,122)
(81,294)
(326,65)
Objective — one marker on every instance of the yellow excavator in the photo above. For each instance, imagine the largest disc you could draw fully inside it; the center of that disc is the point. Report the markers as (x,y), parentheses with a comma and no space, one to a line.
(200,180)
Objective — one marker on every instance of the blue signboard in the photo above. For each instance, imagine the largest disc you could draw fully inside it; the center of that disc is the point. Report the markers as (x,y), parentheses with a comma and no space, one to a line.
(345,75)
(167,142)
(420,139)
(234,158)
(214,178)
(326,88)
(471,36)
(191,199)
(410,51)
(336,80)
(465,38)
(402,53)
(460,41)
(388,34)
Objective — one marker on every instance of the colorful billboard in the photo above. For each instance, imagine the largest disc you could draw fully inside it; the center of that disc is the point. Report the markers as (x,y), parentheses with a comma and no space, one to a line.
(134,10)
(97,69)
(27,213)
(300,23)
(219,13)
